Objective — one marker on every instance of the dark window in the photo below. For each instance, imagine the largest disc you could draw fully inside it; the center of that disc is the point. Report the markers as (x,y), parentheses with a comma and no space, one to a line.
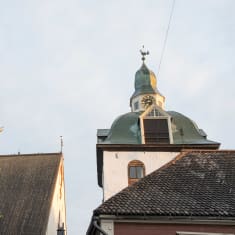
(136,105)
(156,131)
(132,172)
(136,171)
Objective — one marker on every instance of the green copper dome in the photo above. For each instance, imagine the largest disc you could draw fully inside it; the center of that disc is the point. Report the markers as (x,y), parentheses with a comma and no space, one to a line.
(145,81)
(126,130)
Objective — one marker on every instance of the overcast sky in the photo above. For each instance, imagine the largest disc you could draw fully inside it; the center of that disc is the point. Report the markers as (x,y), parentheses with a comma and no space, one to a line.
(67,68)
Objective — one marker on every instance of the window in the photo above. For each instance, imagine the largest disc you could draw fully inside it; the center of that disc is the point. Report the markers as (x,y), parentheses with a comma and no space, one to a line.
(156,131)
(136,105)
(136,171)
(154,113)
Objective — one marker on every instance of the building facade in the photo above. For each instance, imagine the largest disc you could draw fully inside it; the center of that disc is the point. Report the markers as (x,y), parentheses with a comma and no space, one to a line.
(144,139)
(191,195)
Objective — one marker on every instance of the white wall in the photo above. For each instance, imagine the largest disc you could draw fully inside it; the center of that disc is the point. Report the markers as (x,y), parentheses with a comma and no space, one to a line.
(115,167)
(58,208)
(108,226)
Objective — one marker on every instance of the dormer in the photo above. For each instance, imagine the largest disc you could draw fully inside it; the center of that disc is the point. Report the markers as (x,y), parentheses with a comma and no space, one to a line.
(155,125)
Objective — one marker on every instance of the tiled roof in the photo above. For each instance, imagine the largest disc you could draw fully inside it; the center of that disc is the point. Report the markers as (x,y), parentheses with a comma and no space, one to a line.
(26,188)
(197,183)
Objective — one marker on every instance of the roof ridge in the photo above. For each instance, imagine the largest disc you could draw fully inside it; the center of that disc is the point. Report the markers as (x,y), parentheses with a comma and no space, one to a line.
(30,154)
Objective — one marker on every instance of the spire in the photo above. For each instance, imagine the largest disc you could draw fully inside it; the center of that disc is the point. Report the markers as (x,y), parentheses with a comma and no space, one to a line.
(145,80)
(145,86)
(143,53)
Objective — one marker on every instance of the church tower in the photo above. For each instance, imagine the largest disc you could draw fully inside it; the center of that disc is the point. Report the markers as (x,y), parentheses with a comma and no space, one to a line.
(144,139)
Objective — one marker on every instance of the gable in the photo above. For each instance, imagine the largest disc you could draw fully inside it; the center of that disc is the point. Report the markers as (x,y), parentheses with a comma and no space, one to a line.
(155,111)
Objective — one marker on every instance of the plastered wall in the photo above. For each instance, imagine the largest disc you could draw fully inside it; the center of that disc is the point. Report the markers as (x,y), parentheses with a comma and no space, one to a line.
(58,209)
(115,167)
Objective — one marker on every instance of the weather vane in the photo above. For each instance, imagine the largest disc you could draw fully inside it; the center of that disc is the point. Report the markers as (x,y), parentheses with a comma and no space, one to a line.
(144,53)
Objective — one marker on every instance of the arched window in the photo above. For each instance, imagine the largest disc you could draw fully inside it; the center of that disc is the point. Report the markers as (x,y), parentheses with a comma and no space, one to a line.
(136,171)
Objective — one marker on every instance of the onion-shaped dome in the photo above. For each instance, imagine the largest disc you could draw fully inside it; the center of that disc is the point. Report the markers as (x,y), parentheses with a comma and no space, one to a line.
(145,81)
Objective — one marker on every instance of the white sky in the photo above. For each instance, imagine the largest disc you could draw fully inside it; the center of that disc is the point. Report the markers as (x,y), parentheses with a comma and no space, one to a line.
(67,68)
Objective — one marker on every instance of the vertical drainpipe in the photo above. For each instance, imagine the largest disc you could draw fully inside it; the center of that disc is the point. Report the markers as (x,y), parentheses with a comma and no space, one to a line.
(94,226)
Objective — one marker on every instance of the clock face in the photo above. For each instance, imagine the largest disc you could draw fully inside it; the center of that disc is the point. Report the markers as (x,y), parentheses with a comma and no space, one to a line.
(147,101)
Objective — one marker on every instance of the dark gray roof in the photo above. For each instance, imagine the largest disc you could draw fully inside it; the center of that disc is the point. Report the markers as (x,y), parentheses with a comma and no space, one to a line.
(102,134)
(27,185)
(126,130)
(197,183)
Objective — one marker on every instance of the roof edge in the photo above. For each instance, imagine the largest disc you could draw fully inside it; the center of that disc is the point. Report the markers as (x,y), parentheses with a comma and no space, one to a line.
(30,154)
(162,147)
(170,219)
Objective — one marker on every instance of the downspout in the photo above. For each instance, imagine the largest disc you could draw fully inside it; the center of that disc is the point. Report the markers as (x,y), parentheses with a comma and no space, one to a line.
(94,226)
(99,228)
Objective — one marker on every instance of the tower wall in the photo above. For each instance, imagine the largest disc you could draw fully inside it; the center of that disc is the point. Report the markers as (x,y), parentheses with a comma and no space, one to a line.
(115,167)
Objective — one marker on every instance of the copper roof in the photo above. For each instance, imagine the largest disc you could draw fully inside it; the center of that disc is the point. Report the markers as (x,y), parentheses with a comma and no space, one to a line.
(126,130)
